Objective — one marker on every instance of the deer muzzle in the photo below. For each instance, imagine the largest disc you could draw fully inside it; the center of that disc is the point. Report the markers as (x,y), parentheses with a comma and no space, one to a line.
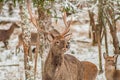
(68,45)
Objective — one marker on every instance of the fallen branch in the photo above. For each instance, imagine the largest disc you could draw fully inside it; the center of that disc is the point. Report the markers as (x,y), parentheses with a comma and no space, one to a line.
(83,41)
(10,65)
(4,22)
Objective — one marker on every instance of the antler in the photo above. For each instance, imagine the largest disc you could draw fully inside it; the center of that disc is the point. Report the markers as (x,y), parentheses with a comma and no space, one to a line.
(32,18)
(34,21)
(66,24)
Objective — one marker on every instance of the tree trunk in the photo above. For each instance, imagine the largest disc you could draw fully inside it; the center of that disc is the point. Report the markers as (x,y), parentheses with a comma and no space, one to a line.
(92,24)
(45,24)
(26,66)
(99,49)
(115,39)
(1,6)
(36,56)
(100,18)
(99,32)
(106,44)
(10,10)
(26,46)
(110,17)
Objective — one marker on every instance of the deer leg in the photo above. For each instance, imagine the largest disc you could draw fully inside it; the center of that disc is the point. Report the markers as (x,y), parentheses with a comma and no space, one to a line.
(17,51)
(6,44)
(18,47)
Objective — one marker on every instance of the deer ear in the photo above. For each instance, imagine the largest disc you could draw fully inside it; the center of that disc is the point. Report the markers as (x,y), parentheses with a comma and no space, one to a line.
(54,32)
(50,38)
(115,58)
(105,55)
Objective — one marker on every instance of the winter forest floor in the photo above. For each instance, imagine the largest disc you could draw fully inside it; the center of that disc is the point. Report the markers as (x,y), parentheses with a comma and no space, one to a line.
(80,47)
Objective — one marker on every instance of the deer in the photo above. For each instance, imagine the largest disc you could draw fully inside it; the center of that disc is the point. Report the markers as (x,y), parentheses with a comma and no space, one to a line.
(61,66)
(111,72)
(6,34)
(34,38)
(33,41)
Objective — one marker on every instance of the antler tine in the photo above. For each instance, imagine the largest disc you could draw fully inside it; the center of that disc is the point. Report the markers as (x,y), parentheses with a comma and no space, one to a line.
(68,34)
(70,23)
(64,19)
(33,19)
(66,24)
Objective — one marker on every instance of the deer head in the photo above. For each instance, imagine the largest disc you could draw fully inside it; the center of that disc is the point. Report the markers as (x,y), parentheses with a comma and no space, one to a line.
(59,43)
(110,60)
(16,24)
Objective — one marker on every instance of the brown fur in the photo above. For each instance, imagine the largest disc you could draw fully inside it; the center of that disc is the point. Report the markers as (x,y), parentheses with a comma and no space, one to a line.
(111,73)
(60,66)
(33,42)
(34,37)
(5,34)
(90,70)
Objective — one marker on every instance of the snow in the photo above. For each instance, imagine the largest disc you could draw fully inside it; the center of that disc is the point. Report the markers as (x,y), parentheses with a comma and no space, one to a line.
(82,51)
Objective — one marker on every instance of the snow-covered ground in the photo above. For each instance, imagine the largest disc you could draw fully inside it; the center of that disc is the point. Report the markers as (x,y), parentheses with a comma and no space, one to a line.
(80,47)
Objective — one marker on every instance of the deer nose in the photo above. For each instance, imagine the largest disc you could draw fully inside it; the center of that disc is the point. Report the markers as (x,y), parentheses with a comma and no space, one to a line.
(64,49)
(68,45)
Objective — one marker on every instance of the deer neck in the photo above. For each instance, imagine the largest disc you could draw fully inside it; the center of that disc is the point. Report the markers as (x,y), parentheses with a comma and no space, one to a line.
(10,31)
(109,71)
(53,60)
(57,58)
(53,63)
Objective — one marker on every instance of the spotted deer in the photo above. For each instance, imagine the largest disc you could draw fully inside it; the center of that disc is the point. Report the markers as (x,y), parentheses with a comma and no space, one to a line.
(61,66)
(111,73)
(5,34)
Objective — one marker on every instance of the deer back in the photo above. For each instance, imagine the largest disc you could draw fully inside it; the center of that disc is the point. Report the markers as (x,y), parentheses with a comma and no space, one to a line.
(90,70)
(34,37)
(5,34)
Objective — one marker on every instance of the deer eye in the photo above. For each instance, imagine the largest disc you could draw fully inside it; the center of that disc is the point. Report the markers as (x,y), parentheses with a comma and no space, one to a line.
(57,42)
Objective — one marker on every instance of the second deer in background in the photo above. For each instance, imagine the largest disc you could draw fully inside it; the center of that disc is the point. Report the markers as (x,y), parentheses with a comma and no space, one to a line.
(111,73)
(34,36)
(33,41)
(5,34)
